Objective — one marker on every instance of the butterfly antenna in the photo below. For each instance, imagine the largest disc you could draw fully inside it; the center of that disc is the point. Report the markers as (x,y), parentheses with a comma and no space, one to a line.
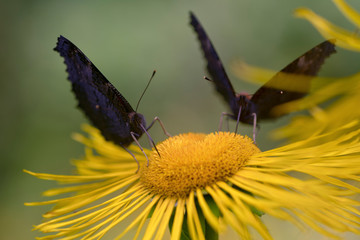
(206,78)
(137,105)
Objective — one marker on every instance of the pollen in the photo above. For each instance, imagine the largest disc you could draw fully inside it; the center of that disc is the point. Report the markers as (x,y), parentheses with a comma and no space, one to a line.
(193,161)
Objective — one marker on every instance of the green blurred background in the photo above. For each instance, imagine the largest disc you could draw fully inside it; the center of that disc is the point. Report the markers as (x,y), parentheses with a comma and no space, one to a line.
(127,40)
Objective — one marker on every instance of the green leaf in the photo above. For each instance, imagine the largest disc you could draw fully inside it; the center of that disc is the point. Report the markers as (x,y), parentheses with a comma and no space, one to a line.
(212,205)
(151,211)
(256,211)
(184,228)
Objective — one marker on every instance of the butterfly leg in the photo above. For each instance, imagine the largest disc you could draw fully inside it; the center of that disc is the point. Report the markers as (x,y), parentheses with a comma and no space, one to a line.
(150,140)
(138,164)
(224,114)
(254,128)
(137,143)
(161,125)
(238,120)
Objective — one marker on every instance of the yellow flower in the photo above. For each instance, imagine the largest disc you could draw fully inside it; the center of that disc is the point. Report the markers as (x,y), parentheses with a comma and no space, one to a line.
(346,39)
(211,180)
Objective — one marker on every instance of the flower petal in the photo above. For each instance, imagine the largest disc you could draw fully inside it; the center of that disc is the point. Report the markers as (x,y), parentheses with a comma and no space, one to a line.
(343,37)
(348,11)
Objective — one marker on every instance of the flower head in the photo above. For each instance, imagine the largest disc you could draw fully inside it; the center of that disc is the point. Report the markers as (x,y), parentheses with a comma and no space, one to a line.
(199,178)
(187,159)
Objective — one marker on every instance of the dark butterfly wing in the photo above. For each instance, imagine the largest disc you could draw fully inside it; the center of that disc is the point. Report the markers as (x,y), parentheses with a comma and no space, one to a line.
(292,82)
(101,102)
(214,66)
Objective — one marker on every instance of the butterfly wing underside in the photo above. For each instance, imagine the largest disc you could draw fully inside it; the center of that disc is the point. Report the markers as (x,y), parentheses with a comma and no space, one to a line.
(214,66)
(101,102)
(292,82)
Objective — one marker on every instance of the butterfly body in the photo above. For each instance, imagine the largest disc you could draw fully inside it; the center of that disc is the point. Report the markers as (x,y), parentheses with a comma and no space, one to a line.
(101,102)
(291,83)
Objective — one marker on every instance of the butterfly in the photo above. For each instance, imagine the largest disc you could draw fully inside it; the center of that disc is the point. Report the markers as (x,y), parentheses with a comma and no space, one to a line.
(101,102)
(278,90)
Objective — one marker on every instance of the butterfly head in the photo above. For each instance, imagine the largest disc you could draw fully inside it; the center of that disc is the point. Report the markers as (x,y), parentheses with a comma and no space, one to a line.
(136,121)
(247,108)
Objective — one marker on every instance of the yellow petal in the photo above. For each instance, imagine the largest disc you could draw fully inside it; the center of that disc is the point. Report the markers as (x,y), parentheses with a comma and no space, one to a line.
(344,38)
(348,11)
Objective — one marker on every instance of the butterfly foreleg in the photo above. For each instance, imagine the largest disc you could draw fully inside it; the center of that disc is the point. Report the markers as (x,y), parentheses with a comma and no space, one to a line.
(133,135)
(152,143)
(161,125)
(223,115)
(138,164)
(254,127)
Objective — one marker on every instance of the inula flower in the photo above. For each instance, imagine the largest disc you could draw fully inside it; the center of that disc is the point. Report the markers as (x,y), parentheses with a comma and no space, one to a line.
(198,184)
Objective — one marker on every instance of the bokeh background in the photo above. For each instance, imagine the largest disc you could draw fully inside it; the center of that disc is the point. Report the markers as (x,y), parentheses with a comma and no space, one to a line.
(127,40)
